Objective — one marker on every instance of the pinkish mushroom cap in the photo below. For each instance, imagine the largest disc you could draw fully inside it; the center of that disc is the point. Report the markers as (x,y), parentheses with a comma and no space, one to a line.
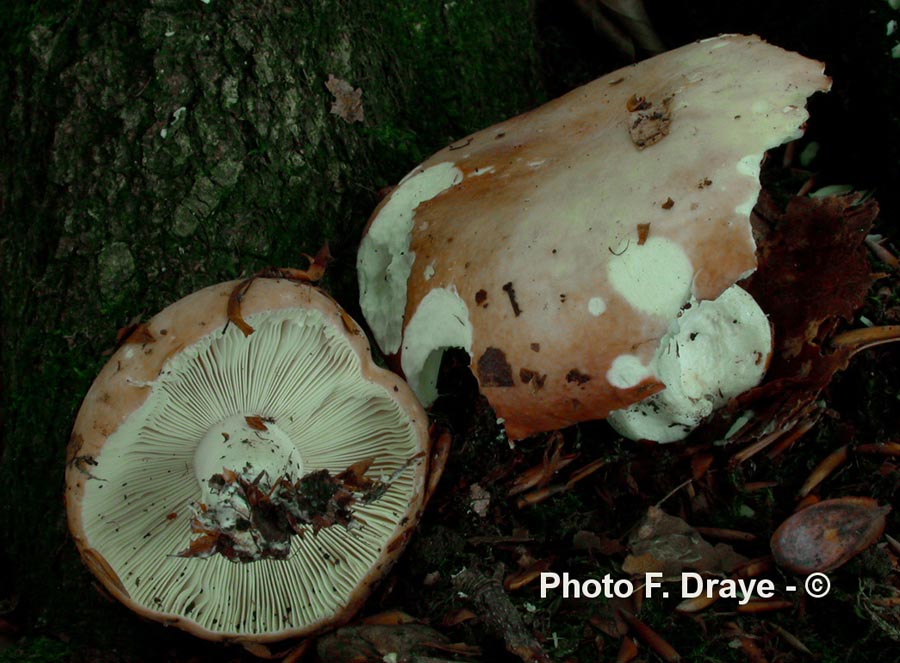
(183,399)
(560,247)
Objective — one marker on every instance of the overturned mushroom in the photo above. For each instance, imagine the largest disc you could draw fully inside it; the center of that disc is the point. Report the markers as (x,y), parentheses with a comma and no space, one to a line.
(566,249)
(196,423)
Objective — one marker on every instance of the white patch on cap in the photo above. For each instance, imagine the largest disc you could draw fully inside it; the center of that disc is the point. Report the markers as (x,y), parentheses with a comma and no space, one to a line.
(627,371)
(597,306)
(385,260)
(429,271)
(713,352)
(749,165)
(745,208)
(655,278)
(441,321)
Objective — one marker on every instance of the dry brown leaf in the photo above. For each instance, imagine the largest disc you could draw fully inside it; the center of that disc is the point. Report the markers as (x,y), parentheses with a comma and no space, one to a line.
(824,536)
(135,333)
(813,268)
(390,618)
(257,422)
(358,644)
(526,576)
(585,540)
(668,545)
(347,103)
(813,275)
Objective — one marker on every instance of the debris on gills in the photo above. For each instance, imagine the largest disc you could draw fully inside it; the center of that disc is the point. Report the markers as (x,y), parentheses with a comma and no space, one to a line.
(250,517)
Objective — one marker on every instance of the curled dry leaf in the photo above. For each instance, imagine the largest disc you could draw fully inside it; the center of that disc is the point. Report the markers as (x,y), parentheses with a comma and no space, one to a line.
(668,545)
(312,274)
(135,333)
(526,576)
(813,275)
(826,535)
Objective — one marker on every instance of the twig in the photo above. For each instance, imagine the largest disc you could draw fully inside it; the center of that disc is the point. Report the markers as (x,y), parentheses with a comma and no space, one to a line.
(499,614)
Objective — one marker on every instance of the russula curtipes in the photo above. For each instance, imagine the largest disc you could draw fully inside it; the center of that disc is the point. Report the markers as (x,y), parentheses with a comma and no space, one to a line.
(564,248)
(189,396)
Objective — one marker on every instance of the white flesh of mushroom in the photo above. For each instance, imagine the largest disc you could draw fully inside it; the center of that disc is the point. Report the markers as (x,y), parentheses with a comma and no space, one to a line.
(713,351)
(385,259)
(441,321)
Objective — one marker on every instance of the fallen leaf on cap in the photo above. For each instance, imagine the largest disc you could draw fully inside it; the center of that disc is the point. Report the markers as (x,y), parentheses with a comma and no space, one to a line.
(347,100)
(824,536)
(135,333)
(668,545)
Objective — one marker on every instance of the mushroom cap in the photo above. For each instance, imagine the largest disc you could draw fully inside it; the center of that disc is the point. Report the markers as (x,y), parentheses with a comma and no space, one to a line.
(140,456)
(558,246)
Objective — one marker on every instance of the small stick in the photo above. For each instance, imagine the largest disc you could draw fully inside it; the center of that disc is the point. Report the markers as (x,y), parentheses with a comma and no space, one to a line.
(884,449)
(726,534)
(585,471)
(752,607)
(825,469)
(791,639)
(788,440)
(500,615)
(751,450)
(868,337)
(885,256)
(652,639)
